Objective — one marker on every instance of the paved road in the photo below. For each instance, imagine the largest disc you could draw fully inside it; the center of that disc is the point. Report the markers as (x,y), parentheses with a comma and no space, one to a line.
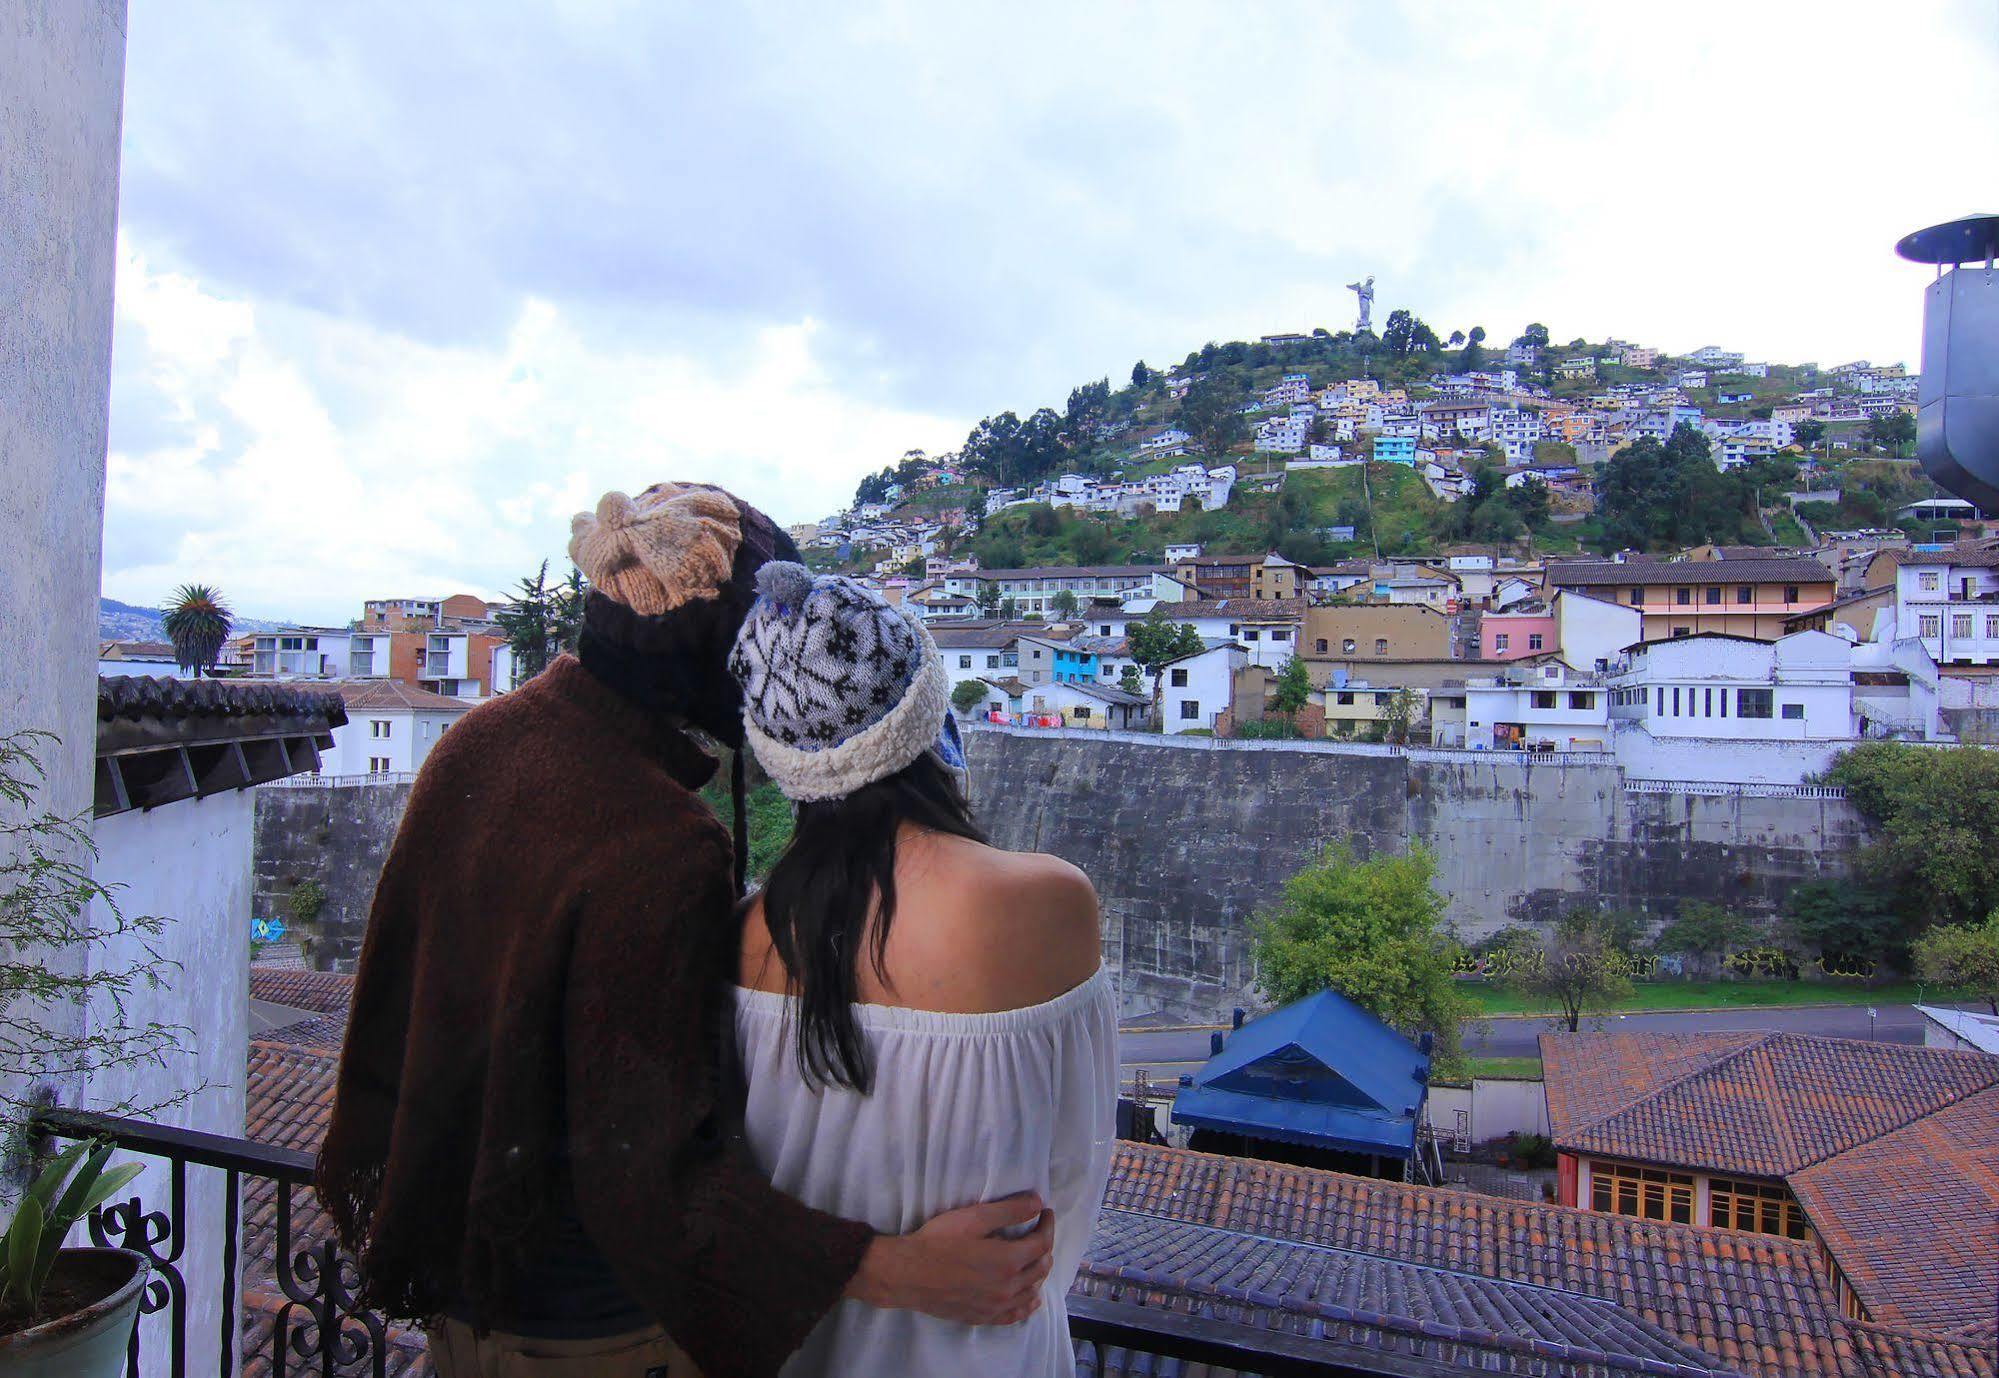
(1167,1054)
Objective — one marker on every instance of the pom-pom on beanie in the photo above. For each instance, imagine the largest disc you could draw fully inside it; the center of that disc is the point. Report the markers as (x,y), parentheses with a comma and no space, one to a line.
(672,544)
(839,689)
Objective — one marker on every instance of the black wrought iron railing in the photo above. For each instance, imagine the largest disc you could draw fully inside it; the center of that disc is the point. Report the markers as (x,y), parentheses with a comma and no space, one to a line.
(316,1326)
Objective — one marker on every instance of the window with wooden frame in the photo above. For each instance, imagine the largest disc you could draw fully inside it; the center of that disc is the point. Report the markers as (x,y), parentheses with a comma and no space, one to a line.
(1760,1207)
(1646,1192)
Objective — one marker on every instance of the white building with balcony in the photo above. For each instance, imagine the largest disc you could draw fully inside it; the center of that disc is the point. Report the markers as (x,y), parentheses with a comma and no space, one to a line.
(301,653)
(1283,435)
(1949,600)
(1538,704)
(1808,686)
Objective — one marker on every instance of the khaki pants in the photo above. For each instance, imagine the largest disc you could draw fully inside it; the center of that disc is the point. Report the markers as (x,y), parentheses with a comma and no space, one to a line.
(457,1351)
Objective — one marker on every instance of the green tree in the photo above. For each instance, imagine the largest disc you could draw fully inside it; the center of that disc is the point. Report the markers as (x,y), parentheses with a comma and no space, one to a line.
(530,623)
(1892,432)
(1708,933)
(1578,967)
(1008,609)
(1937,813)
(1155,640)
(1839,919)
(968,695)
(1131,681)
(1212,414)
(1963,956)
(1373,931)
(197,621)
(1659,497)
(1140,374)
(988,597)
(1808,433)
(1089,407)
(1293,688)
(1064,604)
(1473,358)
(1536,334)
(1399,335)
(1398,715)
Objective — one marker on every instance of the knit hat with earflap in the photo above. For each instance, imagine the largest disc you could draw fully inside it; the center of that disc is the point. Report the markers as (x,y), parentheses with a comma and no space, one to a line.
(839,689)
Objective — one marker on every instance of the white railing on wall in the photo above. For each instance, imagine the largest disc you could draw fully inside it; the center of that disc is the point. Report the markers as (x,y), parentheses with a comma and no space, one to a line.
(1726,787)
(386,777)
(1455,756)
(1313,745)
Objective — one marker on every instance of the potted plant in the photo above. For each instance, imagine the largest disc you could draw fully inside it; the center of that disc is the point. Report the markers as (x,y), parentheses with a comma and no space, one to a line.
(67,1312)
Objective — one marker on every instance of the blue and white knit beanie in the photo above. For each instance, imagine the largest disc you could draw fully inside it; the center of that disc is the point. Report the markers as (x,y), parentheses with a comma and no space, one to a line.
(839,689)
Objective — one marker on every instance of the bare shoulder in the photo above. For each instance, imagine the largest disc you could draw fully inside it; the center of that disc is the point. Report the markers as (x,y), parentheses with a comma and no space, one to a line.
(1047,888)
(997,930)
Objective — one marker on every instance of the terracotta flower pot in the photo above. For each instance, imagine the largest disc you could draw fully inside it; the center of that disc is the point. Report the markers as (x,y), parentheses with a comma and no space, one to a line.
(88,1341)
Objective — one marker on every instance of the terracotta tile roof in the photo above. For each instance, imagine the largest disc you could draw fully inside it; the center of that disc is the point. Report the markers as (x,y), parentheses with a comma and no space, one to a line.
(1242,609)
(1370,1304)
(1910,1216)
(1510,1282)
(1754,1302)
(1591,1076)
(1881,1351)
(132,697)
(382,694)
(323,992)
(1587,573)
(1767,1109)
(320,1033)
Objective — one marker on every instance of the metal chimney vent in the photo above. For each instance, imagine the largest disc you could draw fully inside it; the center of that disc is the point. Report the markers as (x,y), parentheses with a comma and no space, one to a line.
(1957,417)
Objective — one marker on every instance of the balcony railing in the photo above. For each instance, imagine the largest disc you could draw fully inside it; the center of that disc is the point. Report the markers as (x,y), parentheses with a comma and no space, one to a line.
(320,1327)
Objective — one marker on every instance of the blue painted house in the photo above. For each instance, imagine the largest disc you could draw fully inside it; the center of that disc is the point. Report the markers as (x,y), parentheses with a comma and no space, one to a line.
(1073,666)
(1320,1074)
(1395,449)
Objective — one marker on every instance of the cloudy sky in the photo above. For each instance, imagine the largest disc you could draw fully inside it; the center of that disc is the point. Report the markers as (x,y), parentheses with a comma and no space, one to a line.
(401,286)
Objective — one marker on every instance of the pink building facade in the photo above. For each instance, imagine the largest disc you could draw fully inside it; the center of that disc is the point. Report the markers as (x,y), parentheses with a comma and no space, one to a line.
(1510,635)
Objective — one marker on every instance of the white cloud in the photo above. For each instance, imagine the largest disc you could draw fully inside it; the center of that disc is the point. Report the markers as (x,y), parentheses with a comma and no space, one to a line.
(305,463)
(776,247)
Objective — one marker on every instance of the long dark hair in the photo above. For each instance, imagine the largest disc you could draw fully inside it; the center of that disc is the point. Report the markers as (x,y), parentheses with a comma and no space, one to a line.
(839,872)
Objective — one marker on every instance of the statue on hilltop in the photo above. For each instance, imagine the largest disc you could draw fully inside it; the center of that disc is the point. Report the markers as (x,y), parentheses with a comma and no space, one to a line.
(1365,291)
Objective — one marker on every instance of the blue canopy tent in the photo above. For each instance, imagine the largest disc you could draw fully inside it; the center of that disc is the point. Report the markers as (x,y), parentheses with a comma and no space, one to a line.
(1321,1073)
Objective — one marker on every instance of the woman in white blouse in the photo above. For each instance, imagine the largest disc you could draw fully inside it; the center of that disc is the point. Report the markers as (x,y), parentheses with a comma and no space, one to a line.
(924,1020)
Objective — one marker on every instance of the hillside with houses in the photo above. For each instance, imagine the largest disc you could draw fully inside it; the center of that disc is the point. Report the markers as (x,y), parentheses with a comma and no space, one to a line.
(1327,446)
(1407,540)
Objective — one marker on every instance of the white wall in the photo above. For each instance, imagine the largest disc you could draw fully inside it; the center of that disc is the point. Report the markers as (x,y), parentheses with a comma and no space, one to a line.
(978,669)
(189,863)
(153,669)
(61,100)
(1646,757)
(1590,629)
(1209,677)
(1496,1108)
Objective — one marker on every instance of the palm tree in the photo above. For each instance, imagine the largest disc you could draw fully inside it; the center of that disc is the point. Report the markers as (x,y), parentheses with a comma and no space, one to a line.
(197,621)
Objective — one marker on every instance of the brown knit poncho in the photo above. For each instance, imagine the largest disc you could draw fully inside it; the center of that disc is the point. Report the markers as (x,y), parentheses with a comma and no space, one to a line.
(548,958)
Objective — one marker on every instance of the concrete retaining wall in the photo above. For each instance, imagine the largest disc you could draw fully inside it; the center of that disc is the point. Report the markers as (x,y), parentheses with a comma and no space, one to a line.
(1186,844)
(338,835)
